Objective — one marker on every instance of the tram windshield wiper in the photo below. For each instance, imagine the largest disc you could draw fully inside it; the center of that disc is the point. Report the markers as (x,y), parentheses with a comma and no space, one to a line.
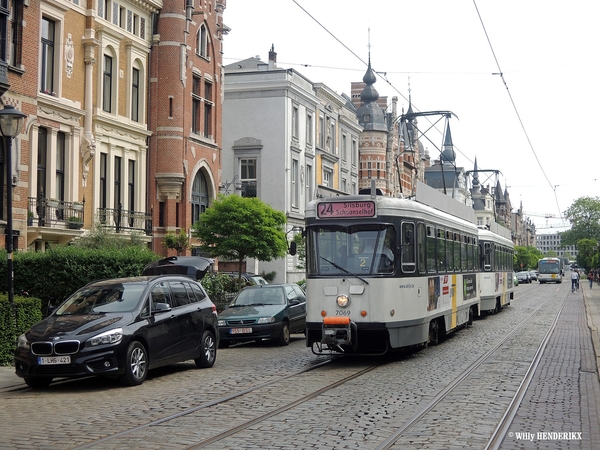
(344,270)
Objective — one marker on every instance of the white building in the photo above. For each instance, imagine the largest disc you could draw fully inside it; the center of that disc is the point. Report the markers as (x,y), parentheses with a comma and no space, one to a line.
(551,242)
(286,141)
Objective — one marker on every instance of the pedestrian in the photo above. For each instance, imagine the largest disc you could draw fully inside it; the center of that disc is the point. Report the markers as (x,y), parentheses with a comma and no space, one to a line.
(574,280)
(591,278)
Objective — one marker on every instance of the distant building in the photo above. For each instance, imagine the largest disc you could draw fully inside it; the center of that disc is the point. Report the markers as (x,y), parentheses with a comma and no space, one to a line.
(551,242)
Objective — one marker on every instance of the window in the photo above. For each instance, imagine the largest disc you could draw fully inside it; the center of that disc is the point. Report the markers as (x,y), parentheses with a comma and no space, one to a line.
(60,166)
(295,183)
(202,43)
(431,251)
(354,150)
(248,177)
(16,33)
(408,247)
(199,196)
(117,182)
(103,179)
(42,158)
(131,185)
(47,56)
(321,131)
(208,105)
(421,248)
(344,147)
(135,94)
(327,177)
(107,84)
(309,183)
(196,104)
(309,129)
(295,125)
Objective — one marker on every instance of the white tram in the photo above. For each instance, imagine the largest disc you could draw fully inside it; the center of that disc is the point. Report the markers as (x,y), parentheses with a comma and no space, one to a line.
(385,273)
(495,279)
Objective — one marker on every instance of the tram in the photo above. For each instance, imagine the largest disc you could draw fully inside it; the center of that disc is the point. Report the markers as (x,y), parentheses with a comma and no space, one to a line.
(495,279)
(550,270)
(385,273)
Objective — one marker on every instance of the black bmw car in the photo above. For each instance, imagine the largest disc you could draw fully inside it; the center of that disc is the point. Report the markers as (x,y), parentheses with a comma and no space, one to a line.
(121,328)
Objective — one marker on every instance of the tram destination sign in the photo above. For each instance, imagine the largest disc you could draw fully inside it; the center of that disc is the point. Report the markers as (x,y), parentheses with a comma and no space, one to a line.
(328,210)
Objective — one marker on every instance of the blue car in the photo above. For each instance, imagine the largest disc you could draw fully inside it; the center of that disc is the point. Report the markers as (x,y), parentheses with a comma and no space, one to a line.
(270,311)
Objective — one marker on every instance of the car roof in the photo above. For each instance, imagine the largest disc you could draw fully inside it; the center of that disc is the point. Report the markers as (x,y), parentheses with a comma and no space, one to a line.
(143,279)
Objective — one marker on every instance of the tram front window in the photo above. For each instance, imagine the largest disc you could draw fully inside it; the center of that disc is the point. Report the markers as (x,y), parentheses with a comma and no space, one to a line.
(360,250)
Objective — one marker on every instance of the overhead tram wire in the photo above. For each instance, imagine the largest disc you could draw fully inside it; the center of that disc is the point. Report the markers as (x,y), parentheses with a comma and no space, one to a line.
(382,75)
(501,74)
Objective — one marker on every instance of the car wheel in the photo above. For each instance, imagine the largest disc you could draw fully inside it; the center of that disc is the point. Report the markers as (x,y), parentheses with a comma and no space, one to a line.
(136,365)
(38,383)
(208,349)
(284,337)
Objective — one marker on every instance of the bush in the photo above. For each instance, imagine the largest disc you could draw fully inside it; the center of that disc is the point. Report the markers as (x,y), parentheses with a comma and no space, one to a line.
(27,311)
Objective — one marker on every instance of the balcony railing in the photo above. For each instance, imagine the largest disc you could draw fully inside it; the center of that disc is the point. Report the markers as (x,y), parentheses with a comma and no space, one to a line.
(44,212)
(125,220)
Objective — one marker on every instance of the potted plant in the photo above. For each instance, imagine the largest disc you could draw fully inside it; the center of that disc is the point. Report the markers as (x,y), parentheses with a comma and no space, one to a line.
(52,202)
(74,223)
(29,218)
(77,206)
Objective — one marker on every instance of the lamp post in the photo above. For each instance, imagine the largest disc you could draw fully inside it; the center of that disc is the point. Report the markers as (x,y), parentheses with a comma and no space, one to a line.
(11,124)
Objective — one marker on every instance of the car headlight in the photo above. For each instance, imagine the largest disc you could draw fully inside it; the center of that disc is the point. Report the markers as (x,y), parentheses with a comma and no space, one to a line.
(221,323)
(108,337)
(22,342)
(343,301)
(266,320)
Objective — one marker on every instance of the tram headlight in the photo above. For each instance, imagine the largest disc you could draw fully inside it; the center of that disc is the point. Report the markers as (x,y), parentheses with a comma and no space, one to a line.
(343,301)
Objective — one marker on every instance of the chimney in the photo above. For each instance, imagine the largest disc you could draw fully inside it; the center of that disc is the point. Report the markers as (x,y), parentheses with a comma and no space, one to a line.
(272,57)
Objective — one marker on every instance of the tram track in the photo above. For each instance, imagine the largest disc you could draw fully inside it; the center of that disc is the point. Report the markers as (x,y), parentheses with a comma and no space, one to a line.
(107,440)
(503,427)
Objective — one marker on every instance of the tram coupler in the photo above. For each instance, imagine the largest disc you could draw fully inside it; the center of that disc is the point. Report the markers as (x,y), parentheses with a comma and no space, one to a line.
(338,331)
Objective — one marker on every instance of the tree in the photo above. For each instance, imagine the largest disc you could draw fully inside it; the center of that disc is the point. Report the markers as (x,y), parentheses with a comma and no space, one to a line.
(584,215)
(235,228)
(586,250)
(179,242)
(526,258)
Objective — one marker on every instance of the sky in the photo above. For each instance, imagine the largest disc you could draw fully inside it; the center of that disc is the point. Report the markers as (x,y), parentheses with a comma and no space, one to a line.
(522,78)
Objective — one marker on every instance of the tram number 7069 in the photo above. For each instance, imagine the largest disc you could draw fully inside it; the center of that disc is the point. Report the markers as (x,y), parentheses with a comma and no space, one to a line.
(342,312)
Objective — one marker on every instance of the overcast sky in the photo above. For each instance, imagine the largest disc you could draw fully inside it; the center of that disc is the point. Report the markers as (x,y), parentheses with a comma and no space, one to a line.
(537,123)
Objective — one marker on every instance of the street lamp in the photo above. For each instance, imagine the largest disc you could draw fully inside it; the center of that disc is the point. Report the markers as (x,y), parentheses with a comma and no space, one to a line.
(11,124)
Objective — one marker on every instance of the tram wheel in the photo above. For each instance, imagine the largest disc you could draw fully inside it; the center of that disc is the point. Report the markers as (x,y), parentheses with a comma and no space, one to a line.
(434,332)
(471,316)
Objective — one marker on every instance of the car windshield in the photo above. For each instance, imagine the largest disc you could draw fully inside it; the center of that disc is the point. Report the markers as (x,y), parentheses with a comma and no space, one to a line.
(102,299)
(264,296)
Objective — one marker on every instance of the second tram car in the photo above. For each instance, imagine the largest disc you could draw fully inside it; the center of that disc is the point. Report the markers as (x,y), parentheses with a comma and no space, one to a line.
(495,279)
(385,273)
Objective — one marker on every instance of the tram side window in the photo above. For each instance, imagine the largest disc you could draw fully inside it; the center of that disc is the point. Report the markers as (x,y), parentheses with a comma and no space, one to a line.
(408,247)
(431,251)
(487,256)
(449,252)
(421,248)
(474,254)
(457,267)
(463,254)
(441,251)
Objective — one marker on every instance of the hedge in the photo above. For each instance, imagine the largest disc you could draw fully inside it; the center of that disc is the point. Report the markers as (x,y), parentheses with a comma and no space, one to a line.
(27,311)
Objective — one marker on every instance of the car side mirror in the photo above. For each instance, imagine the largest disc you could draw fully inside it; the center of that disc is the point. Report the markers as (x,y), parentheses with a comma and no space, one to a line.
(161,307)
(293,301)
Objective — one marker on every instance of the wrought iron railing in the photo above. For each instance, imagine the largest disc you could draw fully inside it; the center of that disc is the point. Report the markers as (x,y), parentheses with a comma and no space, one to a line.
(46,212)
(125,220)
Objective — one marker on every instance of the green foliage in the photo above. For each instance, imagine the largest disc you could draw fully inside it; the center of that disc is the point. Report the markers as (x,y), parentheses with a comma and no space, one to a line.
(27,313)
(235,228)
(526,258)
(221,288)
(179,242)
(55,274)
(584,215)
(103,238)
(300,251)
(269,277)
(587,250)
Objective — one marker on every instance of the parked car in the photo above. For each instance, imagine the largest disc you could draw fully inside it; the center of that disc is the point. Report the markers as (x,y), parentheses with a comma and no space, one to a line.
(248,279)
(121,328)
(515,280)
(524,277)
(266,311)
(533,275)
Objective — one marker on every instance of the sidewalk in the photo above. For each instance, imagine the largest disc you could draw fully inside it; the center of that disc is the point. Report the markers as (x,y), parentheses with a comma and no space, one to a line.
(591,298)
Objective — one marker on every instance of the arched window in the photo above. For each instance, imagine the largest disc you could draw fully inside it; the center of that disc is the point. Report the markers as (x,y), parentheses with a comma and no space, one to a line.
(199,196)
(202,42)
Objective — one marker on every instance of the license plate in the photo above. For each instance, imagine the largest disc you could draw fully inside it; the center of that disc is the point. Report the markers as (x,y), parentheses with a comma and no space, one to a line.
(50,360)
(240,330)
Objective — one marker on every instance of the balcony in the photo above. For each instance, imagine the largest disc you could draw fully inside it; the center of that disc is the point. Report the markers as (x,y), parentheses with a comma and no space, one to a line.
(61,215)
